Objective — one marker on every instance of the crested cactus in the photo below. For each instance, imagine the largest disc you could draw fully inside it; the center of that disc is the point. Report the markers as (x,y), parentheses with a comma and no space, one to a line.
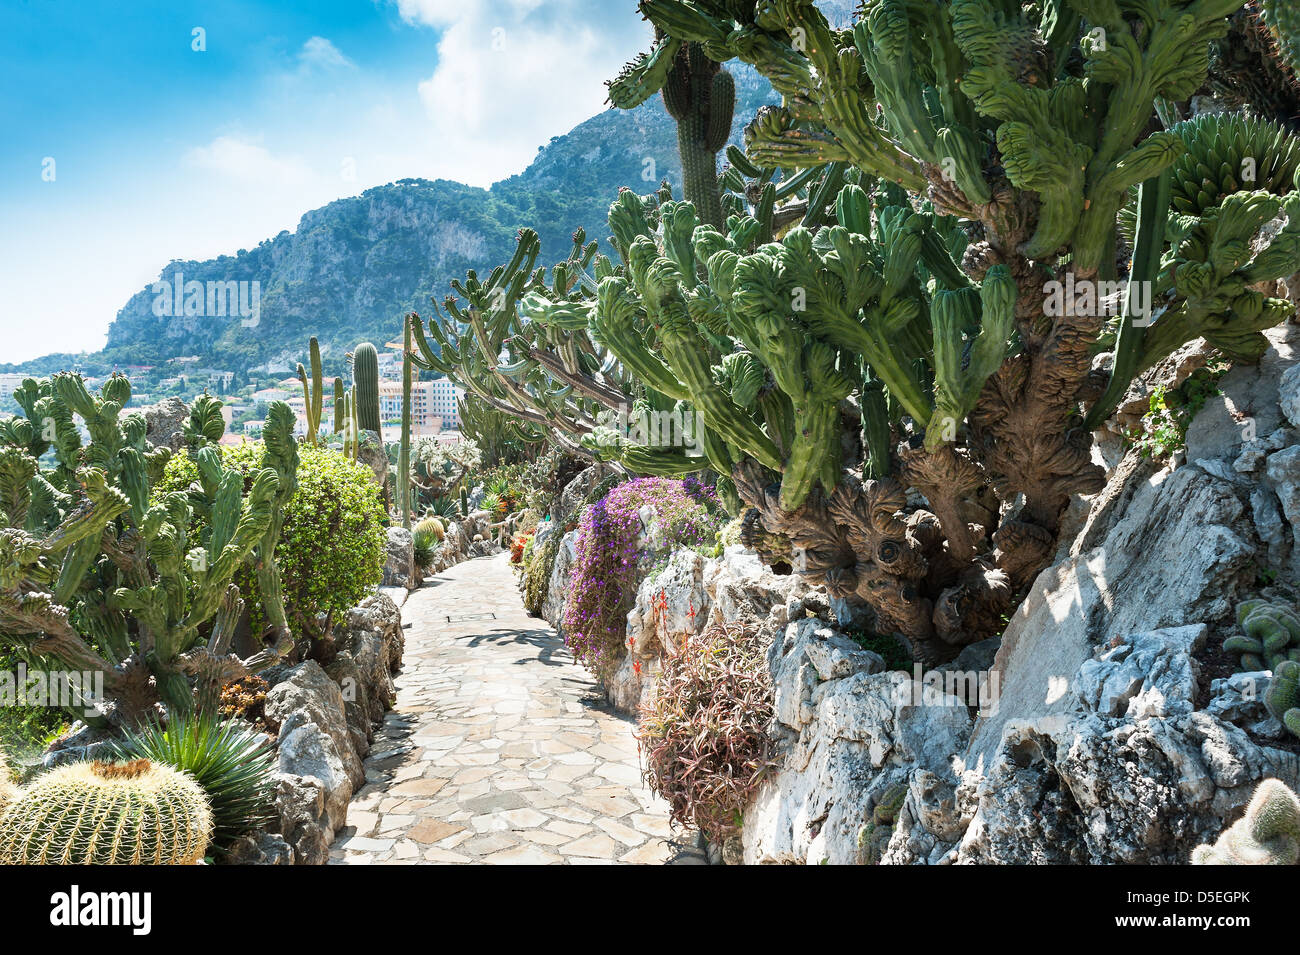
(313,393)
(100,813)
(1268,833)
(889,319)
(92,526)
(205,425)
(365,384)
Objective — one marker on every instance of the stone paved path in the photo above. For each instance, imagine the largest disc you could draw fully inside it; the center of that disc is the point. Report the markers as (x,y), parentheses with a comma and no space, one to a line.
(501,748)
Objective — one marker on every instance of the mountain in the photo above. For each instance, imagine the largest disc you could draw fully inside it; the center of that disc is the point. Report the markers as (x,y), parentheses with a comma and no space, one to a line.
(353,267)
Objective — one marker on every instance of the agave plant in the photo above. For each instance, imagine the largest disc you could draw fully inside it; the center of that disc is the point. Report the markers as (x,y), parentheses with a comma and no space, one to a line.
(228,758)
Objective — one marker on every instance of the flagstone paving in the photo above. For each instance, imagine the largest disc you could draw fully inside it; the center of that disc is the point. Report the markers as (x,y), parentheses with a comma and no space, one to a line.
(501,749)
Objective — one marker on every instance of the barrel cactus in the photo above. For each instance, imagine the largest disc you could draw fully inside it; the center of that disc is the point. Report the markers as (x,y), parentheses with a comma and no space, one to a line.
(1268,834)
(432,526)
(103,813)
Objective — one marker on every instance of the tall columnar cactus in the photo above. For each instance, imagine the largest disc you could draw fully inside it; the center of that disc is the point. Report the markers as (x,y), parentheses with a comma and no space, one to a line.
(701,97)
(100,574)
(313,392)
(99,813)
(1268,834)
(365,383)
(404,456)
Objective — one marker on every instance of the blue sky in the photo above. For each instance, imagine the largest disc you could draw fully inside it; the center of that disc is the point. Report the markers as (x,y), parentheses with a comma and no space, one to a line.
(122,146)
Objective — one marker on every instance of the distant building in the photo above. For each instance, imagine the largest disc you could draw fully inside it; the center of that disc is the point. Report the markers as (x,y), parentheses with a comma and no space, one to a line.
(10,383)
(433,404)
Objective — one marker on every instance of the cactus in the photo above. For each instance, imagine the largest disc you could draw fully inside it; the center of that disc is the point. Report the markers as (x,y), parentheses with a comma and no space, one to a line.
(1270,634)
(464,503)
(404,456)
(365,387)
(1268,833)
(880,323)
(205,425)
(107,814)
(433,527)
(701,97)
(1282,18)
(7,788)
(874,835)
(91,526)
(1282,698)
(313,394)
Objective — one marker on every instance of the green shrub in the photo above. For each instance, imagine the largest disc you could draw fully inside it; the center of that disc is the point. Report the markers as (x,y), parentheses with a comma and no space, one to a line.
(332,549)
(228,758)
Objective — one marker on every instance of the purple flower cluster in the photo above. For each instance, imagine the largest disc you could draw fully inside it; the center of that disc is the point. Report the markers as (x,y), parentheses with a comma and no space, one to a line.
(610,559)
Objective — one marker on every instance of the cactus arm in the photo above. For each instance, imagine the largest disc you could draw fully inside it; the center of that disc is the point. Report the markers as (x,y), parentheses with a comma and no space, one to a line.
(404,456)
(1153,214)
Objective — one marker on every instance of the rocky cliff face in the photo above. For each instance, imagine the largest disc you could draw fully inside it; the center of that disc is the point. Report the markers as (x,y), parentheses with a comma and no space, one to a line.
(352,268)
(1107,737)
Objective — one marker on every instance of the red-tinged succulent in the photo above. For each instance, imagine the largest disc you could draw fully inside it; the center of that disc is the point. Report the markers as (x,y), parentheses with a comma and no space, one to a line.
(704,734)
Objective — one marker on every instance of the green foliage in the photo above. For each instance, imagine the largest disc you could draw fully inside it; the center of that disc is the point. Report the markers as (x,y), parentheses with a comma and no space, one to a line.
(230,760)
(107,814)
(332,544)
(1268,833)
(1163,429)
(106,568)
(537,572)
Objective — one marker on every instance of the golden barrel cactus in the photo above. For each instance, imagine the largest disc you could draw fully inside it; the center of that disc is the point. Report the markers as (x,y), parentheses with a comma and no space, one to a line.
(101,813)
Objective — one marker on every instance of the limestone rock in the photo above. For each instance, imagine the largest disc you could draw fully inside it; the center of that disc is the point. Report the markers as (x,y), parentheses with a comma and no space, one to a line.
(557,591)
(260,848)
(399,565)
(165,423)
(669,608)
(307,697)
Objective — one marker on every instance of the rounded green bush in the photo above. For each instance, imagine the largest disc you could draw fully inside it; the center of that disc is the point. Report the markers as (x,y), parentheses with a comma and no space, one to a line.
(332,547)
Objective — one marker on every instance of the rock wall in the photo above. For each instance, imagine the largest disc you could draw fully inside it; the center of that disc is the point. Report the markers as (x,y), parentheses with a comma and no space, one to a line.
(327,719)
(1094,743)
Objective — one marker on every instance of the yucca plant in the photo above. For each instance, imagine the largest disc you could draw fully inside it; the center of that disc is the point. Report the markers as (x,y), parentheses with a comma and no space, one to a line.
(426,543)
(230,760)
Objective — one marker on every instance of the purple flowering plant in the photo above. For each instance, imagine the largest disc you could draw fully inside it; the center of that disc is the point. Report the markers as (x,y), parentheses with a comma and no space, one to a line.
(621,538)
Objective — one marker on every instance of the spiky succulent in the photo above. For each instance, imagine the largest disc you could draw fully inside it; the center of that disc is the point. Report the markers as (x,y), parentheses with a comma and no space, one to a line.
(229,759)
(1270,634)
(1227,154)
(1268,833)
(103,813)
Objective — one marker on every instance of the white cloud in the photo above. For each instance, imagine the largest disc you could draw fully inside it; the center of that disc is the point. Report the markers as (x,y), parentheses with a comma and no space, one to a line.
(510,76)
(320,52)
(240,159)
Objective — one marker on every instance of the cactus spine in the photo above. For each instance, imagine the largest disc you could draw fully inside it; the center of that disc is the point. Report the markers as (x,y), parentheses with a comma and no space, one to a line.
(365,383)
(312,392)
(107,814)
(1268,834)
